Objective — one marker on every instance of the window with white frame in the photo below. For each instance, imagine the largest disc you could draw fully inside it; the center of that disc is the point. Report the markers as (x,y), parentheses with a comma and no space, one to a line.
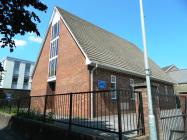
(55,30)
(131,81)
(54,48)
(113,87)
(53,51)
(166,92)
(157,89)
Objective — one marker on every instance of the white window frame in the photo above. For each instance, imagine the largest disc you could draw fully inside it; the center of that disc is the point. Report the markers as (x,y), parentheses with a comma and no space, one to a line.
(55,65)
(166,92)
(166,89)
(53,78)
(157,89)
(113,93)
(58,29)
(131,82)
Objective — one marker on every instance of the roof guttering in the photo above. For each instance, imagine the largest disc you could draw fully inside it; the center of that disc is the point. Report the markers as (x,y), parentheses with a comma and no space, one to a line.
(110,67)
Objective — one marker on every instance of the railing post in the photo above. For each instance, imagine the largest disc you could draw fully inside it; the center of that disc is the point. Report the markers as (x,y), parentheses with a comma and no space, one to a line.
(119,116)
(4,105)
(19,100)
(70,110)
(29,108)
(45,107)
(10,106)
(185,111)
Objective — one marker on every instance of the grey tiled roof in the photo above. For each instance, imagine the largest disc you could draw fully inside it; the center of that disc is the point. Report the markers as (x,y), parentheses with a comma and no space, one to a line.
(166,68)
(179,76)
(106,48)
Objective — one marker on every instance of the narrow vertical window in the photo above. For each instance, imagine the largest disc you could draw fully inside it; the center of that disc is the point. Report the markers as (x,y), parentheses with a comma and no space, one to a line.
(131,82)
(166,92)
(113,87)
(53,50)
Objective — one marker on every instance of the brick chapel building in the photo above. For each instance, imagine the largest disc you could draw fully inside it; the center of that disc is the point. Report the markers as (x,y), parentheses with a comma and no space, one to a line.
(78,56)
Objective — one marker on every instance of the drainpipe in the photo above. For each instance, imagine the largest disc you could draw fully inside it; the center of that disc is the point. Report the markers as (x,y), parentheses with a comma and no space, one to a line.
(91,84)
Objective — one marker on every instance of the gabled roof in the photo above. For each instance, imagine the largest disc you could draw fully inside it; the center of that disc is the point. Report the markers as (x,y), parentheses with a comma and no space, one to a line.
(169,68)
(105,48)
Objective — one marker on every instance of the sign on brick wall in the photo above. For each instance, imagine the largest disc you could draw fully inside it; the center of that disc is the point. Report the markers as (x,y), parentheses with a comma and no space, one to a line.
(101,84)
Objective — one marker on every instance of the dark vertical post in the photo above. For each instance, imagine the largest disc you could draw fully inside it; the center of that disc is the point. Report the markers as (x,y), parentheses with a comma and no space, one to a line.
(19,100)
(45,107)
(70,110)
(10,106)
(185,111)
(29,107)
(4,104)
(119,115)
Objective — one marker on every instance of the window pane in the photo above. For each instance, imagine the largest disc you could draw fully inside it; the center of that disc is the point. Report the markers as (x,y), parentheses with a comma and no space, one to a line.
(54,48)
(52,67)
(55,30)
(16,68)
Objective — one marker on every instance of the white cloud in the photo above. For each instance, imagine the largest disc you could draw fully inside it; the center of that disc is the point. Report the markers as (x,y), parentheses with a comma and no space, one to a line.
(35,38)
(20,43)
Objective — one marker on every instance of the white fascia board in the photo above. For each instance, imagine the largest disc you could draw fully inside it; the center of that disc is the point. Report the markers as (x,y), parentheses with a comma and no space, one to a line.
(43,41)
(87,61)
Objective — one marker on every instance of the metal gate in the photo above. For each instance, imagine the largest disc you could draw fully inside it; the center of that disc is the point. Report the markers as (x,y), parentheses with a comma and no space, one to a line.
(172,112)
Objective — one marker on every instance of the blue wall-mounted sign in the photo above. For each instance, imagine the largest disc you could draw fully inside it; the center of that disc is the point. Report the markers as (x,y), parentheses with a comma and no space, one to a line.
(101,84)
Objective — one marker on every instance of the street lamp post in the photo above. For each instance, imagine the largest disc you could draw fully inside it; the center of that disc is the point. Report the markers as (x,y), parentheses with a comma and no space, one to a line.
(151,117)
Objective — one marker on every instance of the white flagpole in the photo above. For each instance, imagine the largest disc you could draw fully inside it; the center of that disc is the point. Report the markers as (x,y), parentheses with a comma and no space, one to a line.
(151,117)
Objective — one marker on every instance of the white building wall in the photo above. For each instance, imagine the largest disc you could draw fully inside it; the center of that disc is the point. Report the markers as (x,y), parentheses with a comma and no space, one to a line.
(7,79)
(8,65)
(31,70)
(21,76)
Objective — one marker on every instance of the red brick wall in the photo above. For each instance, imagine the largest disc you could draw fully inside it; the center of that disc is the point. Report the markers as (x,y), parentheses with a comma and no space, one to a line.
(39,80)
(123,82)
(72,74)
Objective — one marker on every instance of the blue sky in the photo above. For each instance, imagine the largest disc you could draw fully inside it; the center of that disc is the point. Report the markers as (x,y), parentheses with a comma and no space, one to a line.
(166,26)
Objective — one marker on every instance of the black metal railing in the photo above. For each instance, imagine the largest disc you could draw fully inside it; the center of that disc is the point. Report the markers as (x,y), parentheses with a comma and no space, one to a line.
(97,110)
(173,115)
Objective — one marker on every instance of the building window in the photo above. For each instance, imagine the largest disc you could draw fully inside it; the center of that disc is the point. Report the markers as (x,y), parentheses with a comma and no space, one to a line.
(27,69)
(16,68)
(54,48)
(113,87)
(52,67)
(14,82)
(131,82)
(157,89)
(25,83)
(53,51)
(166,90)
(55,30)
